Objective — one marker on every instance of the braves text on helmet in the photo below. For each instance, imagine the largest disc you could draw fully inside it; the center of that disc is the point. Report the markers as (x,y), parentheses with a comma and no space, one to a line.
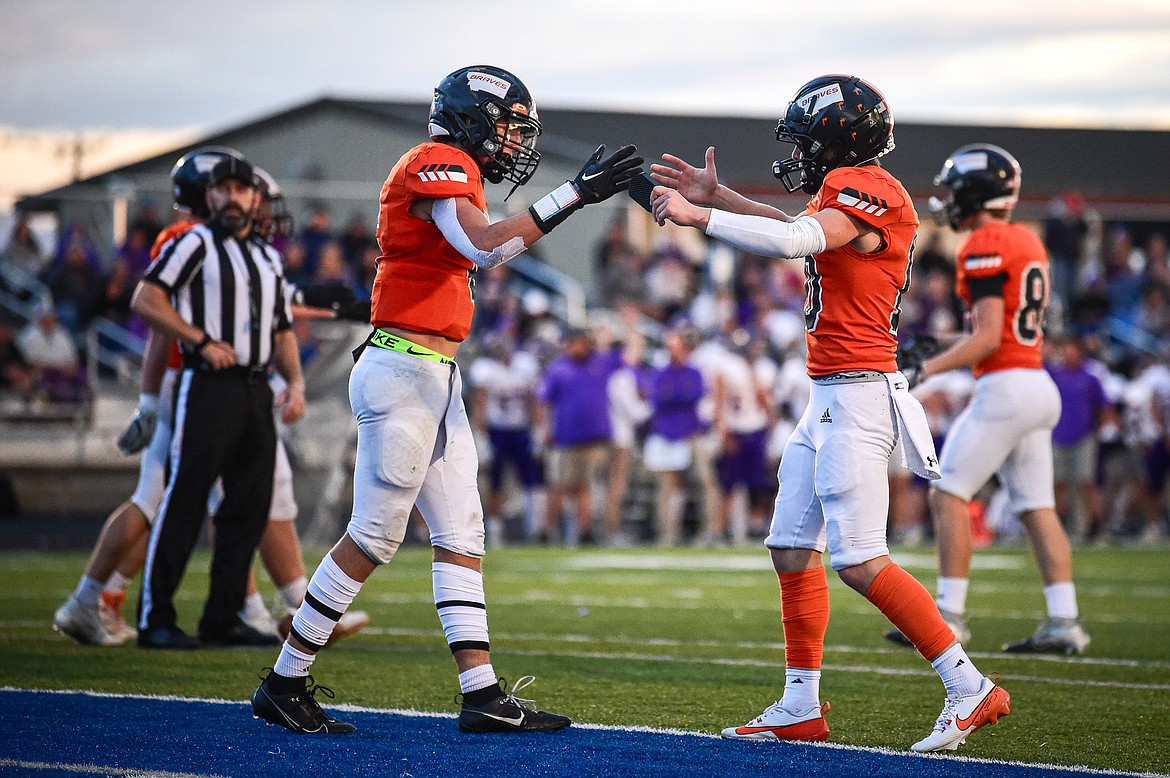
(979,177)
(833,121)
(490,114)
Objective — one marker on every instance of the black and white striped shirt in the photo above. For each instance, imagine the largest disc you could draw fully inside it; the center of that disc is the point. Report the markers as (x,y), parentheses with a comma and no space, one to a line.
(232,289)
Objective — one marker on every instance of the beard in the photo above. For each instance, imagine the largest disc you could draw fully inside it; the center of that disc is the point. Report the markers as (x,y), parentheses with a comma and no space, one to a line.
(233,218)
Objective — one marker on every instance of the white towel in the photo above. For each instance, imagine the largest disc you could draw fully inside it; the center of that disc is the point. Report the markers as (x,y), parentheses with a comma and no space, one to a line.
(918,453)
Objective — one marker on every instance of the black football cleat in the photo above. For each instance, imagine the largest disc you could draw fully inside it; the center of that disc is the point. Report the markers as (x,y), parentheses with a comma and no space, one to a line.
(508,713)
(298,711)
(167,638)
(238,634)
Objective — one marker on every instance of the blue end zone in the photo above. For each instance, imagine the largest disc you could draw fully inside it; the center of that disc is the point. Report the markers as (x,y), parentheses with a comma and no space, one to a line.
(46,733)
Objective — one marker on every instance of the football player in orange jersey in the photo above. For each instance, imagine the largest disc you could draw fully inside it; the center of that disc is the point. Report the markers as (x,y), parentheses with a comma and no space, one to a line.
(414,440)
(857,240)
(1006,430)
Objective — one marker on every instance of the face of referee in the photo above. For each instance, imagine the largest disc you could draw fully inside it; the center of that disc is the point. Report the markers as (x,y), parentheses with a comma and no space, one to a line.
(233,204)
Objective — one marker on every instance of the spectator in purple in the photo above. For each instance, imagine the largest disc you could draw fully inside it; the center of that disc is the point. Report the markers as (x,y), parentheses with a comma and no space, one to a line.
(135,252)
(1084,409)
(76,287)
(315,235)
(676,434)
(574,409)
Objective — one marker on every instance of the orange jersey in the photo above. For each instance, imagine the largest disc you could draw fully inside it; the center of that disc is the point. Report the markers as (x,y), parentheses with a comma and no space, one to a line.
(169,233)
(423,283)
(1007,260)
(852,300)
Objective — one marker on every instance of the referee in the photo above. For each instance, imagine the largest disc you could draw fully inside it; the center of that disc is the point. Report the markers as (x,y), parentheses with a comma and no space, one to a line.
(220,291)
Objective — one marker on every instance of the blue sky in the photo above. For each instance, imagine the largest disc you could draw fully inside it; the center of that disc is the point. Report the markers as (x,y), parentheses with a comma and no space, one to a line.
(142,63)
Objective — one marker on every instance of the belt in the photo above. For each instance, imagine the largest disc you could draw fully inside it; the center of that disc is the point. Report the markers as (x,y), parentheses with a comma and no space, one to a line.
(252,375)
(849,377)
(384,340)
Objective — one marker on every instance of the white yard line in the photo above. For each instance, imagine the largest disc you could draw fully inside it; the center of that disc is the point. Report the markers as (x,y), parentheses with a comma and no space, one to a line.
(99,769)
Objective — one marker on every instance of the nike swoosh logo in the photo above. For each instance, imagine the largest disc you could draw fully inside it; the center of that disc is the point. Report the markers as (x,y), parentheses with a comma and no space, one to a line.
(507,720)
(590,178)
(410,350)
(965,723)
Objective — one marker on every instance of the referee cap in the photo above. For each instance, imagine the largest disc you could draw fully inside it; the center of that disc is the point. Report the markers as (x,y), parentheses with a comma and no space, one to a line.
(234,168)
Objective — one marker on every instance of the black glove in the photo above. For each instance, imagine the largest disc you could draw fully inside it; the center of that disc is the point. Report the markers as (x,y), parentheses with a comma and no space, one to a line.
(912,355)
(358,310)
(598,180)
(330,295)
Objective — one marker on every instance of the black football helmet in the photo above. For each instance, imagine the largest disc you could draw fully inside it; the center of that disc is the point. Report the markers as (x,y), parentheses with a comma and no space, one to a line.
(189,177)
(272,218)
(980,177)
(833,121)
(490,114)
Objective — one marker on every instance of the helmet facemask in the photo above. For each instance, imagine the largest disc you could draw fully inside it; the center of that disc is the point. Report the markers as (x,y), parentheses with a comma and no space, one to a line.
(511,151)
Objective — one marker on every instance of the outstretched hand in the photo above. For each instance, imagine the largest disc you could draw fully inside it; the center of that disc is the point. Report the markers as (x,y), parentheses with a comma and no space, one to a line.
(600,179)
(696,184)
(668,205)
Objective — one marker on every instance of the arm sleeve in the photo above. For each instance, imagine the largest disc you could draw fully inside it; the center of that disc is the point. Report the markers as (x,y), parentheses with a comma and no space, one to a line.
(445,215)
(768,237)
(986,286)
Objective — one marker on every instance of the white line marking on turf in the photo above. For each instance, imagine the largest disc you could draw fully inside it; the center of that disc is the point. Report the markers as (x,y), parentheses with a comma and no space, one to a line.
(772,646)
(758,561)
(410,712)
(100,770)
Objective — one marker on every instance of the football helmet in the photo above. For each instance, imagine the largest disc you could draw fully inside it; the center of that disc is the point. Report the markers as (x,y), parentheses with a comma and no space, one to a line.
(272,218)
(189,177)
(833,121)
(490,114)
(980,177)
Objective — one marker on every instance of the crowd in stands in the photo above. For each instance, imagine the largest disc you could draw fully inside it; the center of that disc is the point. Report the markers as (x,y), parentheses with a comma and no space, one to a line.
(665,418)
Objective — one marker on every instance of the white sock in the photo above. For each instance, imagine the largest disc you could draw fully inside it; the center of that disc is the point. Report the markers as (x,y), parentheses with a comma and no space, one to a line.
(802,689)
(117,583)
(477,678)
(952,595)
(88,591)
(293,663)
(957,671)
(254,606)
(329,594)
(293,594)
(460,602)
(1062,600)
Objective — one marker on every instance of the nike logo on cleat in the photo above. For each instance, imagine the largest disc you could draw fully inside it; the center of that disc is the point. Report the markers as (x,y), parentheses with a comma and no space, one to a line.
(517,721)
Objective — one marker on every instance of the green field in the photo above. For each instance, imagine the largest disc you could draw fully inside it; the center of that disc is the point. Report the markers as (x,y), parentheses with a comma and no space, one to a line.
(682,639)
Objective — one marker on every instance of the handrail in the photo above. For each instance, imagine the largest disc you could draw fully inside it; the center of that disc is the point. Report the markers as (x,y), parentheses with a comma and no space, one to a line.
(97,354)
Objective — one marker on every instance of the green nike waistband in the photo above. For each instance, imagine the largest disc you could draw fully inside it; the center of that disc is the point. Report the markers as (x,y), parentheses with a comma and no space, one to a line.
(383,339)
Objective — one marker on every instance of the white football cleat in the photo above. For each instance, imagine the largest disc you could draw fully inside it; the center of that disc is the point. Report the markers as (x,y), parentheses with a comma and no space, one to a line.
(961,716)
(83,623)
(776,723)
(1053,636)
(110,608)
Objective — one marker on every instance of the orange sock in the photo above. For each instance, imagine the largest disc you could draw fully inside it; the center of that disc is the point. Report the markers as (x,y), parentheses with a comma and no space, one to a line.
(804,607)
(909,607)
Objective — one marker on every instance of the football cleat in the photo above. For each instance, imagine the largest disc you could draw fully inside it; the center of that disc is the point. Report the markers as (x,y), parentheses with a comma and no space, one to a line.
(1053,636)
(298,711)
(777,723)
(509,713)
(956,621)
(83,623)
(961,716)
(110,608)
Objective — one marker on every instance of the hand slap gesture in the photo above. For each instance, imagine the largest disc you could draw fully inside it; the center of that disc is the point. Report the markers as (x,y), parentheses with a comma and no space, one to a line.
(696,184)
(600,179)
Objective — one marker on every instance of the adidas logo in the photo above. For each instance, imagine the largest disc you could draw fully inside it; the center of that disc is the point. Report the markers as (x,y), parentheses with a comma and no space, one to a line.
(798,681)
(960,663)
(826,418)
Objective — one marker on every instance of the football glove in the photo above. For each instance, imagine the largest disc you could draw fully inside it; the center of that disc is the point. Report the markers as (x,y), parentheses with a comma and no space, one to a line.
(138,433)
(598,180)
(912,355)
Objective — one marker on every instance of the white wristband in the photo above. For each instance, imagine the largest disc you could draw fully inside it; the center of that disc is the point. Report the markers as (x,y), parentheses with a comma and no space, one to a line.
(148,403)
(768,237)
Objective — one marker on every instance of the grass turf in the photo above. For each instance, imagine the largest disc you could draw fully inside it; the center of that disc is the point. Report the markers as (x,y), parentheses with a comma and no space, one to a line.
(684,639)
